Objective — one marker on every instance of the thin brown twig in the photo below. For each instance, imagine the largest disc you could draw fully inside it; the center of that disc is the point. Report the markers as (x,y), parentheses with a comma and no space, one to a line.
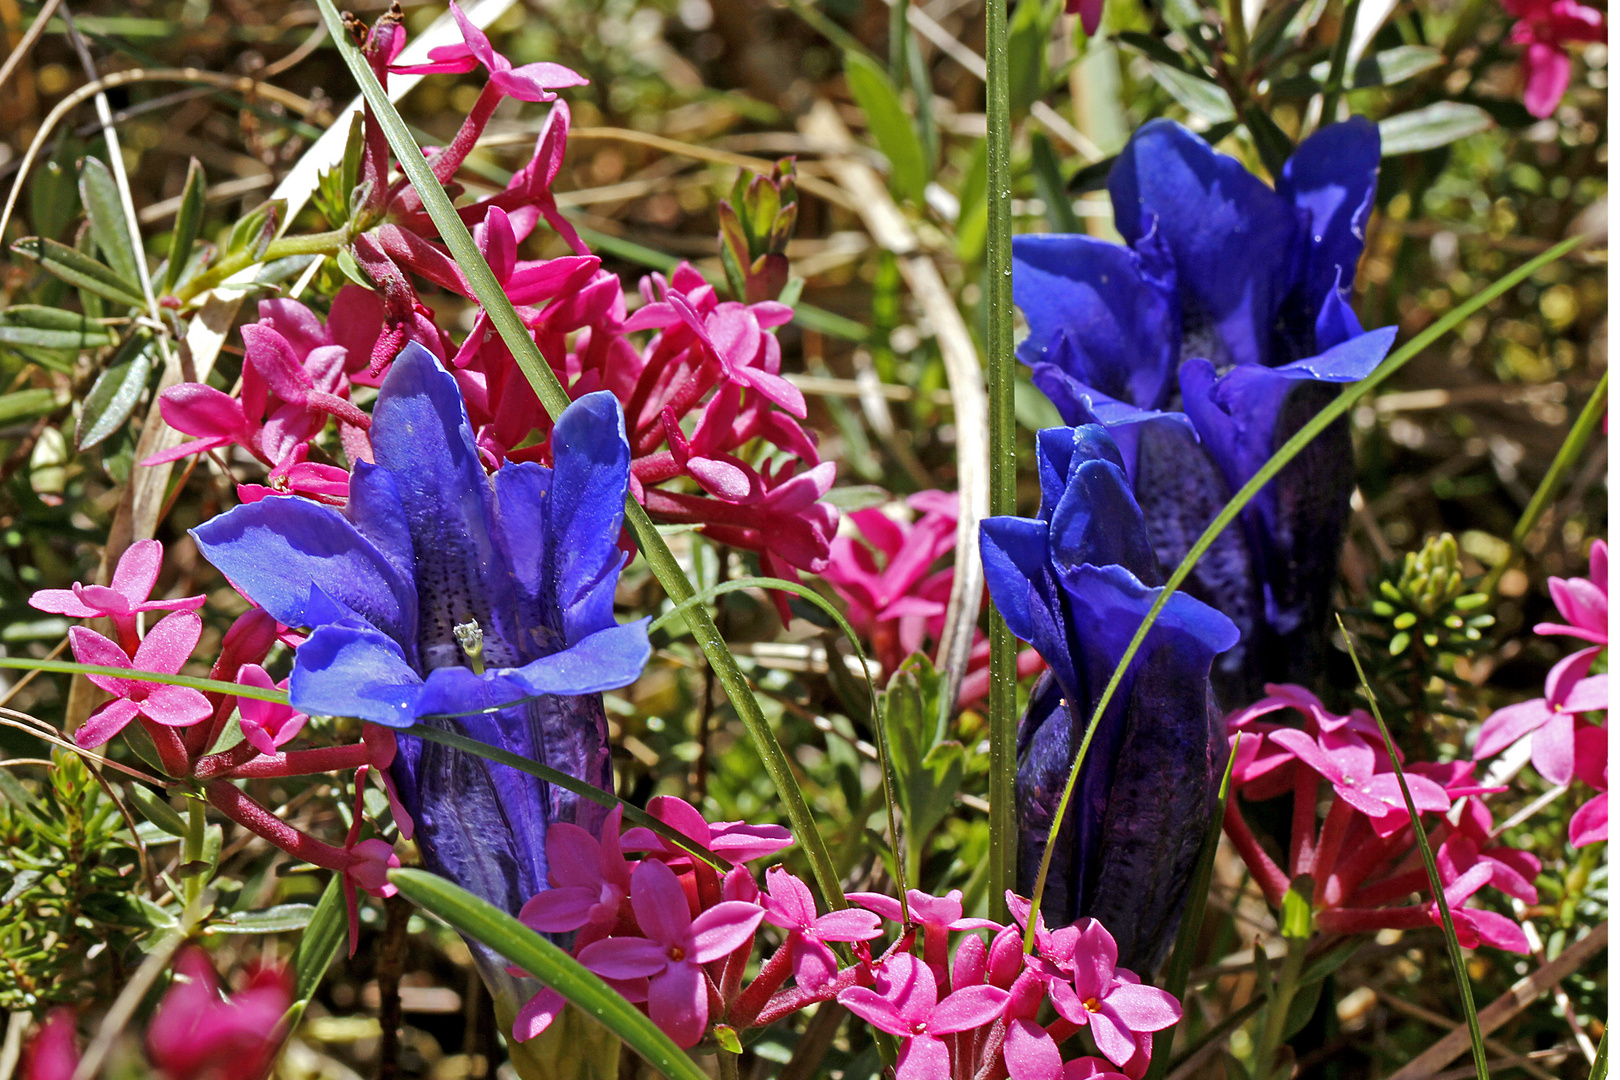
(31,35)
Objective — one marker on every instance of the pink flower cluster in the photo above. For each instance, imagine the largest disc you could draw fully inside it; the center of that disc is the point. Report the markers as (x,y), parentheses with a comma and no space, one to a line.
(1362,855)
(675,935)
(1545,29)
(186,725)
(1565,745)
(195,1034)
(899,603)
(715,429)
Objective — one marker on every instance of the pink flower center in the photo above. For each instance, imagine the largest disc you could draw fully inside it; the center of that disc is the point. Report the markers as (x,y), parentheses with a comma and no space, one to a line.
(677,953)
(1092,1004)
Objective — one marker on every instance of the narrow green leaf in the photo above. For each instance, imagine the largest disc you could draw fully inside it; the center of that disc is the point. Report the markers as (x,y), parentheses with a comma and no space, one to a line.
(105,210)
(1028,31)
(1600,1067)
(51,318)
(1389,67)
(187,223)
(272,920)
(1432,126)
(551,393)
(26,404)
(78,269)
(116,392)
(1465,987)
(85,335)
(890,125)
(1341,56)
(53,197)
(1274,145)
(1287,452)
(67,667)
(494,928)
(1043,162)
(1155,49)
(1197,96)
(973,220)
(633,814)
(317,947)
(156,809)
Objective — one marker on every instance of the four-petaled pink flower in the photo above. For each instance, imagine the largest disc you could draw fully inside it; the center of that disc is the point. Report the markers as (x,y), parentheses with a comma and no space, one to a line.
(911,1008)
(129,594)
(589,878)
(789,905)
(268,725)
(736,842)
(1583,602)
(196,1033)
(531,82)
(166,647)
(1347,762)
(1116,1007)
(1552,719)
(675,948)
(1544,28)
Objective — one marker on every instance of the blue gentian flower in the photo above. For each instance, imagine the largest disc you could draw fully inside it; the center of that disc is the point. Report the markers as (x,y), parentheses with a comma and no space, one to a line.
(1229,302)
(478,604)
(1076,583)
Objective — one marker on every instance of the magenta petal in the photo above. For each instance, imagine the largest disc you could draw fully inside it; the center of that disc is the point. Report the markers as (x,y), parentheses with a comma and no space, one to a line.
(813,963)
(1567,672)
(624,957)
(1506,726)
(848,925)
(177,706)
(727,480)
(1144,1008)
(105,722)
(557,911)
(1546,77)
(1589,695)
(968,1008)
(1095,956)
(201,410)
(1030,1052)
(477,43)
(138,570)
(1112,1036)
(724,929)
(788,902)
(537,1014)
(678,1003)
(1498,930)
(168,645)
(90,647)
(923,1057)
(886,906)
(1590,824)
(574,857)
(1553,750)
(660,903)
(62,602)
(874,1009)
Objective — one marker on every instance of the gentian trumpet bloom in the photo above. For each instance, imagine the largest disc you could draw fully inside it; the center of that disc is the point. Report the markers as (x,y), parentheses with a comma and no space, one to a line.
(1076,583)
(1230,301)
(477,604)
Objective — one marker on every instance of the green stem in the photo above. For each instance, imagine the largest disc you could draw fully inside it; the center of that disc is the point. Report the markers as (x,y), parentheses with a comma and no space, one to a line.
(498,306)
(1315,426)
(1274,1027)
(196,831)
(1574,444)
(1003,450)
(323,243)
(1465,987)
(1237,35)
(1341,54)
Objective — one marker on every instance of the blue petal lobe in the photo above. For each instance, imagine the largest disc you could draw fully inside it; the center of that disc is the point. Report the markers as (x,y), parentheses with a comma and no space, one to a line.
(606,660)
(1333,176)
(353,670)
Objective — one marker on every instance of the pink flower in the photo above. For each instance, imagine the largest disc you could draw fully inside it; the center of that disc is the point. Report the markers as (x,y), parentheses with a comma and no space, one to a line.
(1091,1068)
(195,1033)
(1583,602)
(938,917)
(1545,27)
(736,842)
(892,605)
(128,595)
(910,1007)
(1090,12)
(589,878)
(789,905)
(53,1053)
(1110,1002)
(166,647)
(268,725)
(531,82)
(1347,762)
(1552,719)
(675,948)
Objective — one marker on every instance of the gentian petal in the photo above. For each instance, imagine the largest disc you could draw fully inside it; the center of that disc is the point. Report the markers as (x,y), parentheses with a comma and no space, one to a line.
(1333,176)
(351,670)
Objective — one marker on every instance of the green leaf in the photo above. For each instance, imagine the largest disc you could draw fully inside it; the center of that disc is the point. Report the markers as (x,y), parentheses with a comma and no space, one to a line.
(890,125)
(105,209)
(1332,960)
(187,224)
(318,947)
(26,404)
(1432,126)
(51,328)
(973,220)
(1388,67)
(1043,162)
(272,920)
(1274,146)
(1155,49)
(1296,909)
(156,809)
(1197,96)
(53,197)
(116,392)
(553,966)
(77,268)
(1028,31)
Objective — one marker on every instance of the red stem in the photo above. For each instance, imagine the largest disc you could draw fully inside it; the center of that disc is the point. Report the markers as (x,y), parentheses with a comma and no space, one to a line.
(235,804)
(1273,882)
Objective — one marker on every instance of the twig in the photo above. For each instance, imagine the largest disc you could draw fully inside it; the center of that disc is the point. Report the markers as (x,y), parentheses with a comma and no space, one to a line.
(31,35)
(1429,1016)
(1509,1005)
(819,188)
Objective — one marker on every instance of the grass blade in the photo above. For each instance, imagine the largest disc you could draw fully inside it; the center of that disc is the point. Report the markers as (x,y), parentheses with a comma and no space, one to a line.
(1312,428)
(554,967)
(317,947)
(1003,703)
(1181,957)
(1464,987)
(504,317)
(216,686)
